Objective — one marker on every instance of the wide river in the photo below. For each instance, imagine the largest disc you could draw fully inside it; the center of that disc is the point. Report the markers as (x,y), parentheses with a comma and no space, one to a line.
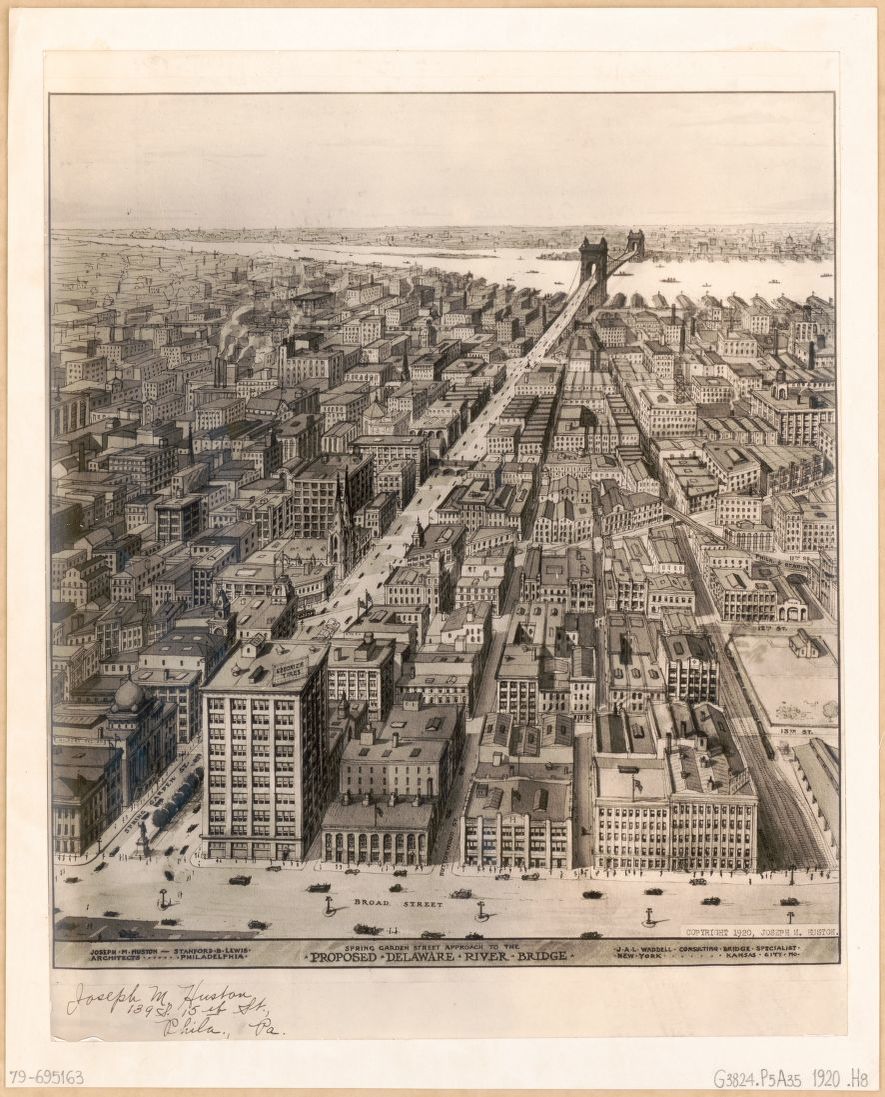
(521,265)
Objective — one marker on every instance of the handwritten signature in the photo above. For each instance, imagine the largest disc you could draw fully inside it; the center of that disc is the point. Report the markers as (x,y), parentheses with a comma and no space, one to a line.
(189,1009)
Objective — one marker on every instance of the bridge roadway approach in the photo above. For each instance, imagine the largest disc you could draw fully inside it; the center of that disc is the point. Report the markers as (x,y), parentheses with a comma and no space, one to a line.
(557,329)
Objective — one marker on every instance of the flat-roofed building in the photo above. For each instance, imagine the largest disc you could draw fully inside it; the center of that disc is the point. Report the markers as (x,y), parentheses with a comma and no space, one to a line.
(518,823)
(86,795)
(633,677)
(363,670)
(385,448)
(740,597)
(265,716)
(805,523)
(798,417)
(690,665)
(684,801)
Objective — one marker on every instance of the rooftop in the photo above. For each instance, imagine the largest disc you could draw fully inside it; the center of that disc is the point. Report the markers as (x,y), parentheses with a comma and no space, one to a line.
(283,666)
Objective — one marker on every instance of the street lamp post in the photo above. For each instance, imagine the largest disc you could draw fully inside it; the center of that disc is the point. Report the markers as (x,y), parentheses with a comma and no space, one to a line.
(162,898)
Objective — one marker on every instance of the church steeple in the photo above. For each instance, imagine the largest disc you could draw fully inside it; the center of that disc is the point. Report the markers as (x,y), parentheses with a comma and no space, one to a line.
(341,534)
(347,505)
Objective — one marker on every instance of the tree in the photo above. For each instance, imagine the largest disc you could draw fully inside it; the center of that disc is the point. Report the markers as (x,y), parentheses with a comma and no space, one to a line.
(160,818)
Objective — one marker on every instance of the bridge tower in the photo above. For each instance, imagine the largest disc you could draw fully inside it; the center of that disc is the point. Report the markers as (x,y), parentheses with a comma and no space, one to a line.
(594,262)
(636,239)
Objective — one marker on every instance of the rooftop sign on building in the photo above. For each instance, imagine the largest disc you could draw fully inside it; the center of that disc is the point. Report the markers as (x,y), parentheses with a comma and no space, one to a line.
(289,672)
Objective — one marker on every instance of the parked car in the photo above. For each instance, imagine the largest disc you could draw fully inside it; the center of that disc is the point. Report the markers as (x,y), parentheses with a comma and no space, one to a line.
(462,893)
(474,937)
(320,887)
(274,868)
(654,891)
(114,851)
(112,914)
(531,876)
(698,880)
(195,809)
(168,921)
(400,872)
(192,827)
(183,851)
(169,874)
(241,881)
(502,876)
(431,935)
(351,872)
(100,866)
(591,935)
(592,895)
(168,851)
(366,931)
(395,887)
(791,902)
(711,901)
(72,879)
(128,934)
(256,924)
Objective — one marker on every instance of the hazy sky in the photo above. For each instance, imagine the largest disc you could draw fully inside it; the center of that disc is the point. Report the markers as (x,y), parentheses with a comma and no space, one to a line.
(316,160)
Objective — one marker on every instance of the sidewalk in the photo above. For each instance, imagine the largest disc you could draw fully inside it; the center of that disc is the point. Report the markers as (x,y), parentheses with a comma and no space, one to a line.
(197,860)
(648,877)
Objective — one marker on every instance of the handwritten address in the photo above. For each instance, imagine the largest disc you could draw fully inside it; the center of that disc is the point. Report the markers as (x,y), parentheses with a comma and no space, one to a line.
(186,1009)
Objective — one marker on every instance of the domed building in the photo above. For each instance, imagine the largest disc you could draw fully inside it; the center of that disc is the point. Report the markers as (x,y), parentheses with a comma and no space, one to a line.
(129,697)
(144,727)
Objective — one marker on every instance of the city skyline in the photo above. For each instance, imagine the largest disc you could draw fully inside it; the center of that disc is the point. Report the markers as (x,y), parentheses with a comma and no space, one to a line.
(326,161)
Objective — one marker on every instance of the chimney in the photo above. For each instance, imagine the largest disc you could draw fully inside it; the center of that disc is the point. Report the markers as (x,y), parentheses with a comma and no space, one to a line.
(366,800)
(345,797)
(669,742)
(417,801)
(391,800)
(682,730)
(394,740)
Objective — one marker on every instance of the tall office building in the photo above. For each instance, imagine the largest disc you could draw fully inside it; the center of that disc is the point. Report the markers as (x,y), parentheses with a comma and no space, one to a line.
(265,741)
